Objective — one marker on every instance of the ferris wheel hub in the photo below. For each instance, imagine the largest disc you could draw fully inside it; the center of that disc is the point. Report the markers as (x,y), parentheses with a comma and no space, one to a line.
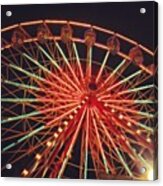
(92,86)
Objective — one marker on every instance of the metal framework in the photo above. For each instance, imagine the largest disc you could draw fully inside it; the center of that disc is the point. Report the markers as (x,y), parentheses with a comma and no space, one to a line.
(75,103)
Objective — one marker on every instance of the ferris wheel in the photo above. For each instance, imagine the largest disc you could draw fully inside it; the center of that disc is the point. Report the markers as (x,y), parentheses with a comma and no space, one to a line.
(78,101)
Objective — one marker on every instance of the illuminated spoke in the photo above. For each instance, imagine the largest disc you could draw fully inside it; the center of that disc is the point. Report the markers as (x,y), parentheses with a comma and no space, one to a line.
(116,149)
(69,66)
(71,145)
(86,143)
(78,61)
(100,146)
(113,73)
(89,63)
(102,67)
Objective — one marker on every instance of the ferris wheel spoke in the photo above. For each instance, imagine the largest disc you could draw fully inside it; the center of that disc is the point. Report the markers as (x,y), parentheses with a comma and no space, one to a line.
(14,159)
(82,156)
(142,140)
(11,52)
(66,135)
(59,68)
(137,123)
(34,76)
(102,67)
(23,86)
(129,91)
(133,111)
(35,113)
(22,139)
(116,149)
(89,63)
(15,134)
(28,36)
(69,66)
(17,76)
(19,100)
(49,72)
(8,92)
(78,61)
(63,156)
(129,101)
(138,80)
(121,82)
(107,165)
(124,80)
(72,144)
(41,163)
(86,142)
(31,100)
(121,139)
(28,73)
(62,115)
(39,158)
(113,73)
(128,127)
(95,158)
(10,119)
(129,121)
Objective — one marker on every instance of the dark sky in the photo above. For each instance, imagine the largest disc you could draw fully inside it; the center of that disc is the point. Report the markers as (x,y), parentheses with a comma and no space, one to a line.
(124,18)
